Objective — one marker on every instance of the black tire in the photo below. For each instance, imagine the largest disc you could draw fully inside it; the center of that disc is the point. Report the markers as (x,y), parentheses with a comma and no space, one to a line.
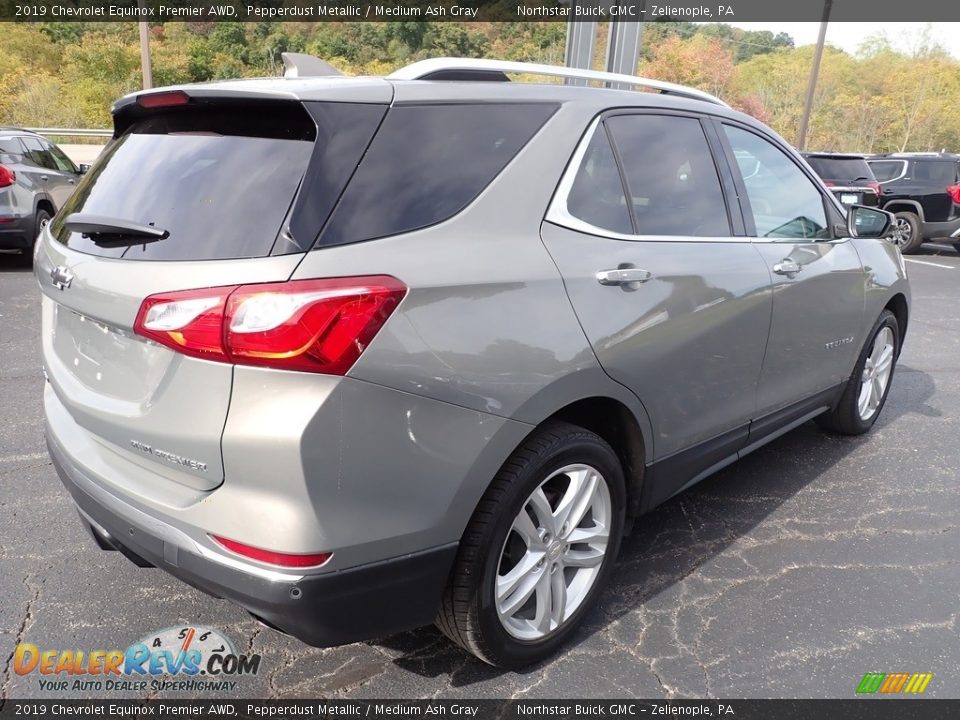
(912,238)
(41,219)
(845,418)
(467,613)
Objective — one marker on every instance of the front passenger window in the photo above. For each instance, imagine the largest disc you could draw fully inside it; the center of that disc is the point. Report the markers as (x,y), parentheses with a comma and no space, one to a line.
(784,202)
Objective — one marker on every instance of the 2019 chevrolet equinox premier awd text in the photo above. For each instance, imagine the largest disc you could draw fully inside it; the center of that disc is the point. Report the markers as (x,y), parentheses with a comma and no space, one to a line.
(362,354)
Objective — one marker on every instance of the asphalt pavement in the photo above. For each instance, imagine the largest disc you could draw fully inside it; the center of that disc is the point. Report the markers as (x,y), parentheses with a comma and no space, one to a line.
(789,574)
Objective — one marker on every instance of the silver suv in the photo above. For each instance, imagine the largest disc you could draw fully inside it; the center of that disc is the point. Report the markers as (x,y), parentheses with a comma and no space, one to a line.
(36,178)
(362,354)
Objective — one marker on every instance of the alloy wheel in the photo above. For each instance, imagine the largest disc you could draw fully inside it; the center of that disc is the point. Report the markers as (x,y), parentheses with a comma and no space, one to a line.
(876,374)
(554,552)
(902,230)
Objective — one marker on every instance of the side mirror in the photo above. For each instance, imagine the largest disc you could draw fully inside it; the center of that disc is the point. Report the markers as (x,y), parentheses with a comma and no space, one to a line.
(868,222)
(84,168)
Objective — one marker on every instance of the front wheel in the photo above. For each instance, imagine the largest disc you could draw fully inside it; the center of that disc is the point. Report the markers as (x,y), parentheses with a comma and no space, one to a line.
(538,549)
(866,391)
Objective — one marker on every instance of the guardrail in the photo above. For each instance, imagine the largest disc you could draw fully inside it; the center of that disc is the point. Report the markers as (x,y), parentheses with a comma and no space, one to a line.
(72,132)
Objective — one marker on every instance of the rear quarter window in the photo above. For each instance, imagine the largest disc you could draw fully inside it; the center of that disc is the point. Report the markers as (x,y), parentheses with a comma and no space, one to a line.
(887,170)
(427,163)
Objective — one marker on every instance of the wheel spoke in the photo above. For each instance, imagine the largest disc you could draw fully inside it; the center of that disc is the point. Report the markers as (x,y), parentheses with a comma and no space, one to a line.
(577,498)
(525,528)
(597,533)
(516,587)
(876,393)
(558,597)
(584,558)
(884,359)
(866,393)
(541,508)
(541,621)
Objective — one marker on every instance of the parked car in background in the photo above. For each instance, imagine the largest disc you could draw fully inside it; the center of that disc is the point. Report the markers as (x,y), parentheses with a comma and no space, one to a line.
(454,334)
(848,176)
(36,179)
(923,191)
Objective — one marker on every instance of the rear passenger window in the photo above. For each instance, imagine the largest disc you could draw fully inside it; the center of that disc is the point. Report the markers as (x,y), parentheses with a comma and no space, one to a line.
(597,196)
(785,202)
(427,163)
(672,180)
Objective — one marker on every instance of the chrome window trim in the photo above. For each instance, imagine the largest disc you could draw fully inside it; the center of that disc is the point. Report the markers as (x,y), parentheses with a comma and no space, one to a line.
(559,213)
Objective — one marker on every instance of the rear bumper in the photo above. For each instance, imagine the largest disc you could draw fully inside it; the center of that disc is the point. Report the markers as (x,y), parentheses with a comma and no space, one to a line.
(17,234)
(359,603)
(933,230)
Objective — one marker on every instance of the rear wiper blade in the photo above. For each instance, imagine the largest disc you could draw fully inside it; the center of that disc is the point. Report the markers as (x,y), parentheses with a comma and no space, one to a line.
(113,229)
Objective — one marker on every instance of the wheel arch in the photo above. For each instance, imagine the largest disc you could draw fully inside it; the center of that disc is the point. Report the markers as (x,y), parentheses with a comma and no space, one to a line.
(913,206)
(901,311)
(44,202)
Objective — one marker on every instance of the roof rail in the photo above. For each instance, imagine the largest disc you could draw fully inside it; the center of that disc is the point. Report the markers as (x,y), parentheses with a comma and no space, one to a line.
(426,69)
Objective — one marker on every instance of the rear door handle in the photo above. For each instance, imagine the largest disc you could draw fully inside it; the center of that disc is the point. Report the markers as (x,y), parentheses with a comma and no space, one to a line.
(787,267)
(44,178)
(623,276)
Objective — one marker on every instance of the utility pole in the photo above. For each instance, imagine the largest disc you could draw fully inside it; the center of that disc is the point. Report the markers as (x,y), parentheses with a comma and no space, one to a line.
(145,63)
(814,73)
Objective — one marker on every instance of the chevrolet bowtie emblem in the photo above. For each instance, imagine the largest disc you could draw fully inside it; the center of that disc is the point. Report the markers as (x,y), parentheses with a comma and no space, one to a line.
(61,277)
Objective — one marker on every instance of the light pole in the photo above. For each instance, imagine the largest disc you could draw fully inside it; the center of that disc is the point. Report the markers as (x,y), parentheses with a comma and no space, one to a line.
(814,72)
(145,63)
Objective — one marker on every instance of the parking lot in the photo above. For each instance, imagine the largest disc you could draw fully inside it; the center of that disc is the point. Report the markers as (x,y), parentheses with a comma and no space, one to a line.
(790,574)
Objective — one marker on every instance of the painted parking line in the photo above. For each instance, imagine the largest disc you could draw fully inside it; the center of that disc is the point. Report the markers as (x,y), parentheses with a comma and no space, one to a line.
(932,264)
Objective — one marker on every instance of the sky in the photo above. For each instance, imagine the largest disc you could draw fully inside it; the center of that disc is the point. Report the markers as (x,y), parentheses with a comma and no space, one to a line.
(849,35)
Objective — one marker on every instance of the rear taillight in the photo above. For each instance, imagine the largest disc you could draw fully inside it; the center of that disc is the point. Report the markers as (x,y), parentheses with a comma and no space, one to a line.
(270,557)
(7,176)
(875,186)
(954,192)
(310,325)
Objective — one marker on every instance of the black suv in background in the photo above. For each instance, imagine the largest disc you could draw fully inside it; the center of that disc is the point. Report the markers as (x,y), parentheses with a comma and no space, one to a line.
(848,177)
(923,191)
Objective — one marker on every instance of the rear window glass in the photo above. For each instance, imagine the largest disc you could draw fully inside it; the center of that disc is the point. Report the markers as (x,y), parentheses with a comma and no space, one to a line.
(845,169)
(427,163)
(885,170)
(220,181)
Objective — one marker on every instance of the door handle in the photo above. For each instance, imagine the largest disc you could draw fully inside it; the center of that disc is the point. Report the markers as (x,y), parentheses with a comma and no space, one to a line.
(787,267)
(623,276)
(44,177)
(72,181)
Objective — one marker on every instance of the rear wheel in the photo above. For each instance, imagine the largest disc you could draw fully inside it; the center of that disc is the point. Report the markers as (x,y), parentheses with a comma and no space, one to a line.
(905,232)
(866,391)
(540,546)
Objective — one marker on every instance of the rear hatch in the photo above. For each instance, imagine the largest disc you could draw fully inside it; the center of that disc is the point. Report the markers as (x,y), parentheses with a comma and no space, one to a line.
(848,177)
(226,180)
